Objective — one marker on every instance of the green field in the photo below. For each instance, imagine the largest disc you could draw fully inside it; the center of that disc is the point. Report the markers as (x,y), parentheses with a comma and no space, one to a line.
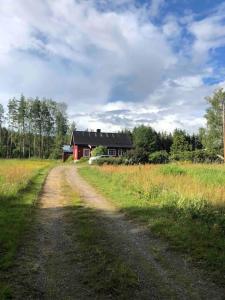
(183,204)
(20,184)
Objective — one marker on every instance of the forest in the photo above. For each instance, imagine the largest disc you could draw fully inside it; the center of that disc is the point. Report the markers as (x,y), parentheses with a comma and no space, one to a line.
(33,128)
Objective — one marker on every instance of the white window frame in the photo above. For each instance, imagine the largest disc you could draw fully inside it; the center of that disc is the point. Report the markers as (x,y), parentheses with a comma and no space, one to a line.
(114,151)
(120,152)
(89,152)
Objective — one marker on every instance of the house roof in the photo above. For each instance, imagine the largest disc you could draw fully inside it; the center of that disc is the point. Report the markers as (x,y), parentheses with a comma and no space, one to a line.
(122,140)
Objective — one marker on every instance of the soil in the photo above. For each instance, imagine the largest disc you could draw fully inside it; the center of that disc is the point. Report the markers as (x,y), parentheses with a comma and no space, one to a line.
(47,267)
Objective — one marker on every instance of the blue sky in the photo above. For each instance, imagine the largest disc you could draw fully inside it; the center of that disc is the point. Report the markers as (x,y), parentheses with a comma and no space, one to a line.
(116,64)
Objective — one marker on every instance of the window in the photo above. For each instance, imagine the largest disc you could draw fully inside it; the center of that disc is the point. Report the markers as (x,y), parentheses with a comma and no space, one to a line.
(86,152)
(112,152)
(120,152)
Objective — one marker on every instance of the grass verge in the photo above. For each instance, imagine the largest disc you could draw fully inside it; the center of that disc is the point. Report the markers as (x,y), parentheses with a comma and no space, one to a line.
(192,225)
(16,214)
(103,271)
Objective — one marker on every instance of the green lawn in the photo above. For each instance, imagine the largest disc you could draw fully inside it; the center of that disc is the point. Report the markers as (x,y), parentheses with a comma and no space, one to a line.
(184,204)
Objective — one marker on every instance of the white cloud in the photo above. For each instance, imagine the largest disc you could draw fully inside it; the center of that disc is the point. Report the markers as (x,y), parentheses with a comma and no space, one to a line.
(209,34)
(114,68)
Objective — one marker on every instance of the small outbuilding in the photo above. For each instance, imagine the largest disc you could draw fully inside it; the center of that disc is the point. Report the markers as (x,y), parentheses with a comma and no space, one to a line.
(67,151)
(83,142)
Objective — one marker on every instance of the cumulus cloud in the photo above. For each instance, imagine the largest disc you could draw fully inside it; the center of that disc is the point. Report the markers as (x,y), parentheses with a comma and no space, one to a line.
(109,62)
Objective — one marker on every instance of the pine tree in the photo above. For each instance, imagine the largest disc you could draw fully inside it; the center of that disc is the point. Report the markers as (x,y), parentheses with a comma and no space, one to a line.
(1,123)
(22,112)
(180,141)
(12,124)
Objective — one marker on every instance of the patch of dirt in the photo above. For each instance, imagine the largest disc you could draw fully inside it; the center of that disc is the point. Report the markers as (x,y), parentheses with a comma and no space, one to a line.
(165,273)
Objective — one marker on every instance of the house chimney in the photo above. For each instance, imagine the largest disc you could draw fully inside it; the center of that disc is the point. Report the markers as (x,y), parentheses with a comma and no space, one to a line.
(98,130)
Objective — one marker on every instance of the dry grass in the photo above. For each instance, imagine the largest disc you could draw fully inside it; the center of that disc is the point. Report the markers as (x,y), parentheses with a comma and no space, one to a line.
(15,174)
(183,203)
(20,184)
(197,181)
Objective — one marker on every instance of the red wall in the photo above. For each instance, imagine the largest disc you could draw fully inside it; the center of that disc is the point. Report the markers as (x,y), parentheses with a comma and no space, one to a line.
(78,152)
(75,154)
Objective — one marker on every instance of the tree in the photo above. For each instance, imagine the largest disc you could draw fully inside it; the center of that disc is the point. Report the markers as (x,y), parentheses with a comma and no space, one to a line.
(195,142)
(61,128)
(22,111)
(146,138)
(1,122)
(180,141)
(34,127)
(165,141)
(100,150)
(72,126)
(47,127)
(212,136)
(13,125)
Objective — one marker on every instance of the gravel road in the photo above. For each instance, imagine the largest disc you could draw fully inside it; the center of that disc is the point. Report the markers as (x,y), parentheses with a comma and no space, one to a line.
(46,265)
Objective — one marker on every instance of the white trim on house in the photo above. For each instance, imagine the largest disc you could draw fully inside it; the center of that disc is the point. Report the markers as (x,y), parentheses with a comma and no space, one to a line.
(112,152)
(86,152)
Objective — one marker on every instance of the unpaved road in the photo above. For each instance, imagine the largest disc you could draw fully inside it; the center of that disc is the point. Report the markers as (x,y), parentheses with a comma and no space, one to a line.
(47,268)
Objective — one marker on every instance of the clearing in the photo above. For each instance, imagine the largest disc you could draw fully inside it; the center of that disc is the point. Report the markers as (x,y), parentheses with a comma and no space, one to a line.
(81,247)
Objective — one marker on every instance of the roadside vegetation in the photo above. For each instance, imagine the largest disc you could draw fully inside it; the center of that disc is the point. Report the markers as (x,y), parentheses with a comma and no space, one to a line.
(20,184)
(182,203)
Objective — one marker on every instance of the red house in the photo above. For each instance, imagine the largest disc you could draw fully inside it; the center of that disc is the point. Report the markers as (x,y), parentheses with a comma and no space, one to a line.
(83,142)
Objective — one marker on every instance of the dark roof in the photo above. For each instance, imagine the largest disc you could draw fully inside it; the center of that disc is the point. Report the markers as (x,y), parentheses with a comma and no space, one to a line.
(102,138)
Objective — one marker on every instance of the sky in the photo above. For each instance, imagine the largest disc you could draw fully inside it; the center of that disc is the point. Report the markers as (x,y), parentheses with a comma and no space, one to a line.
(116,64)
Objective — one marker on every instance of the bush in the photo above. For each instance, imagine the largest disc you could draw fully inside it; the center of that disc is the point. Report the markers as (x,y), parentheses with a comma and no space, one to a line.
(197,156)
(137,156)
(205,156)
(99,150)
(159,157)
(109,161)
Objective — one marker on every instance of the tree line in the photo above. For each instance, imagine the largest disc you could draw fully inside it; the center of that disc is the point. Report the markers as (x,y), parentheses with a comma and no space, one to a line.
(39,127)
(33,128)
(204,146)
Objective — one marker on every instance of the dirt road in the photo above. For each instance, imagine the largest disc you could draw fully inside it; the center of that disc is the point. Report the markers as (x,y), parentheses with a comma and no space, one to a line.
(47,267)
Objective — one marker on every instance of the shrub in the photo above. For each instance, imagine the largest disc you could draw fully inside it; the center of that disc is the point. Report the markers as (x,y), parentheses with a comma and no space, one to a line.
(159,157)
(205,156)
(197,156)
(99,150)
(137,156)
(109,161)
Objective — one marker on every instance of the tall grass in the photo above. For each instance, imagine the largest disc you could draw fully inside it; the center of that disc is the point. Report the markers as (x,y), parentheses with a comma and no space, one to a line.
(15,175)
(183,203)
(20,184)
